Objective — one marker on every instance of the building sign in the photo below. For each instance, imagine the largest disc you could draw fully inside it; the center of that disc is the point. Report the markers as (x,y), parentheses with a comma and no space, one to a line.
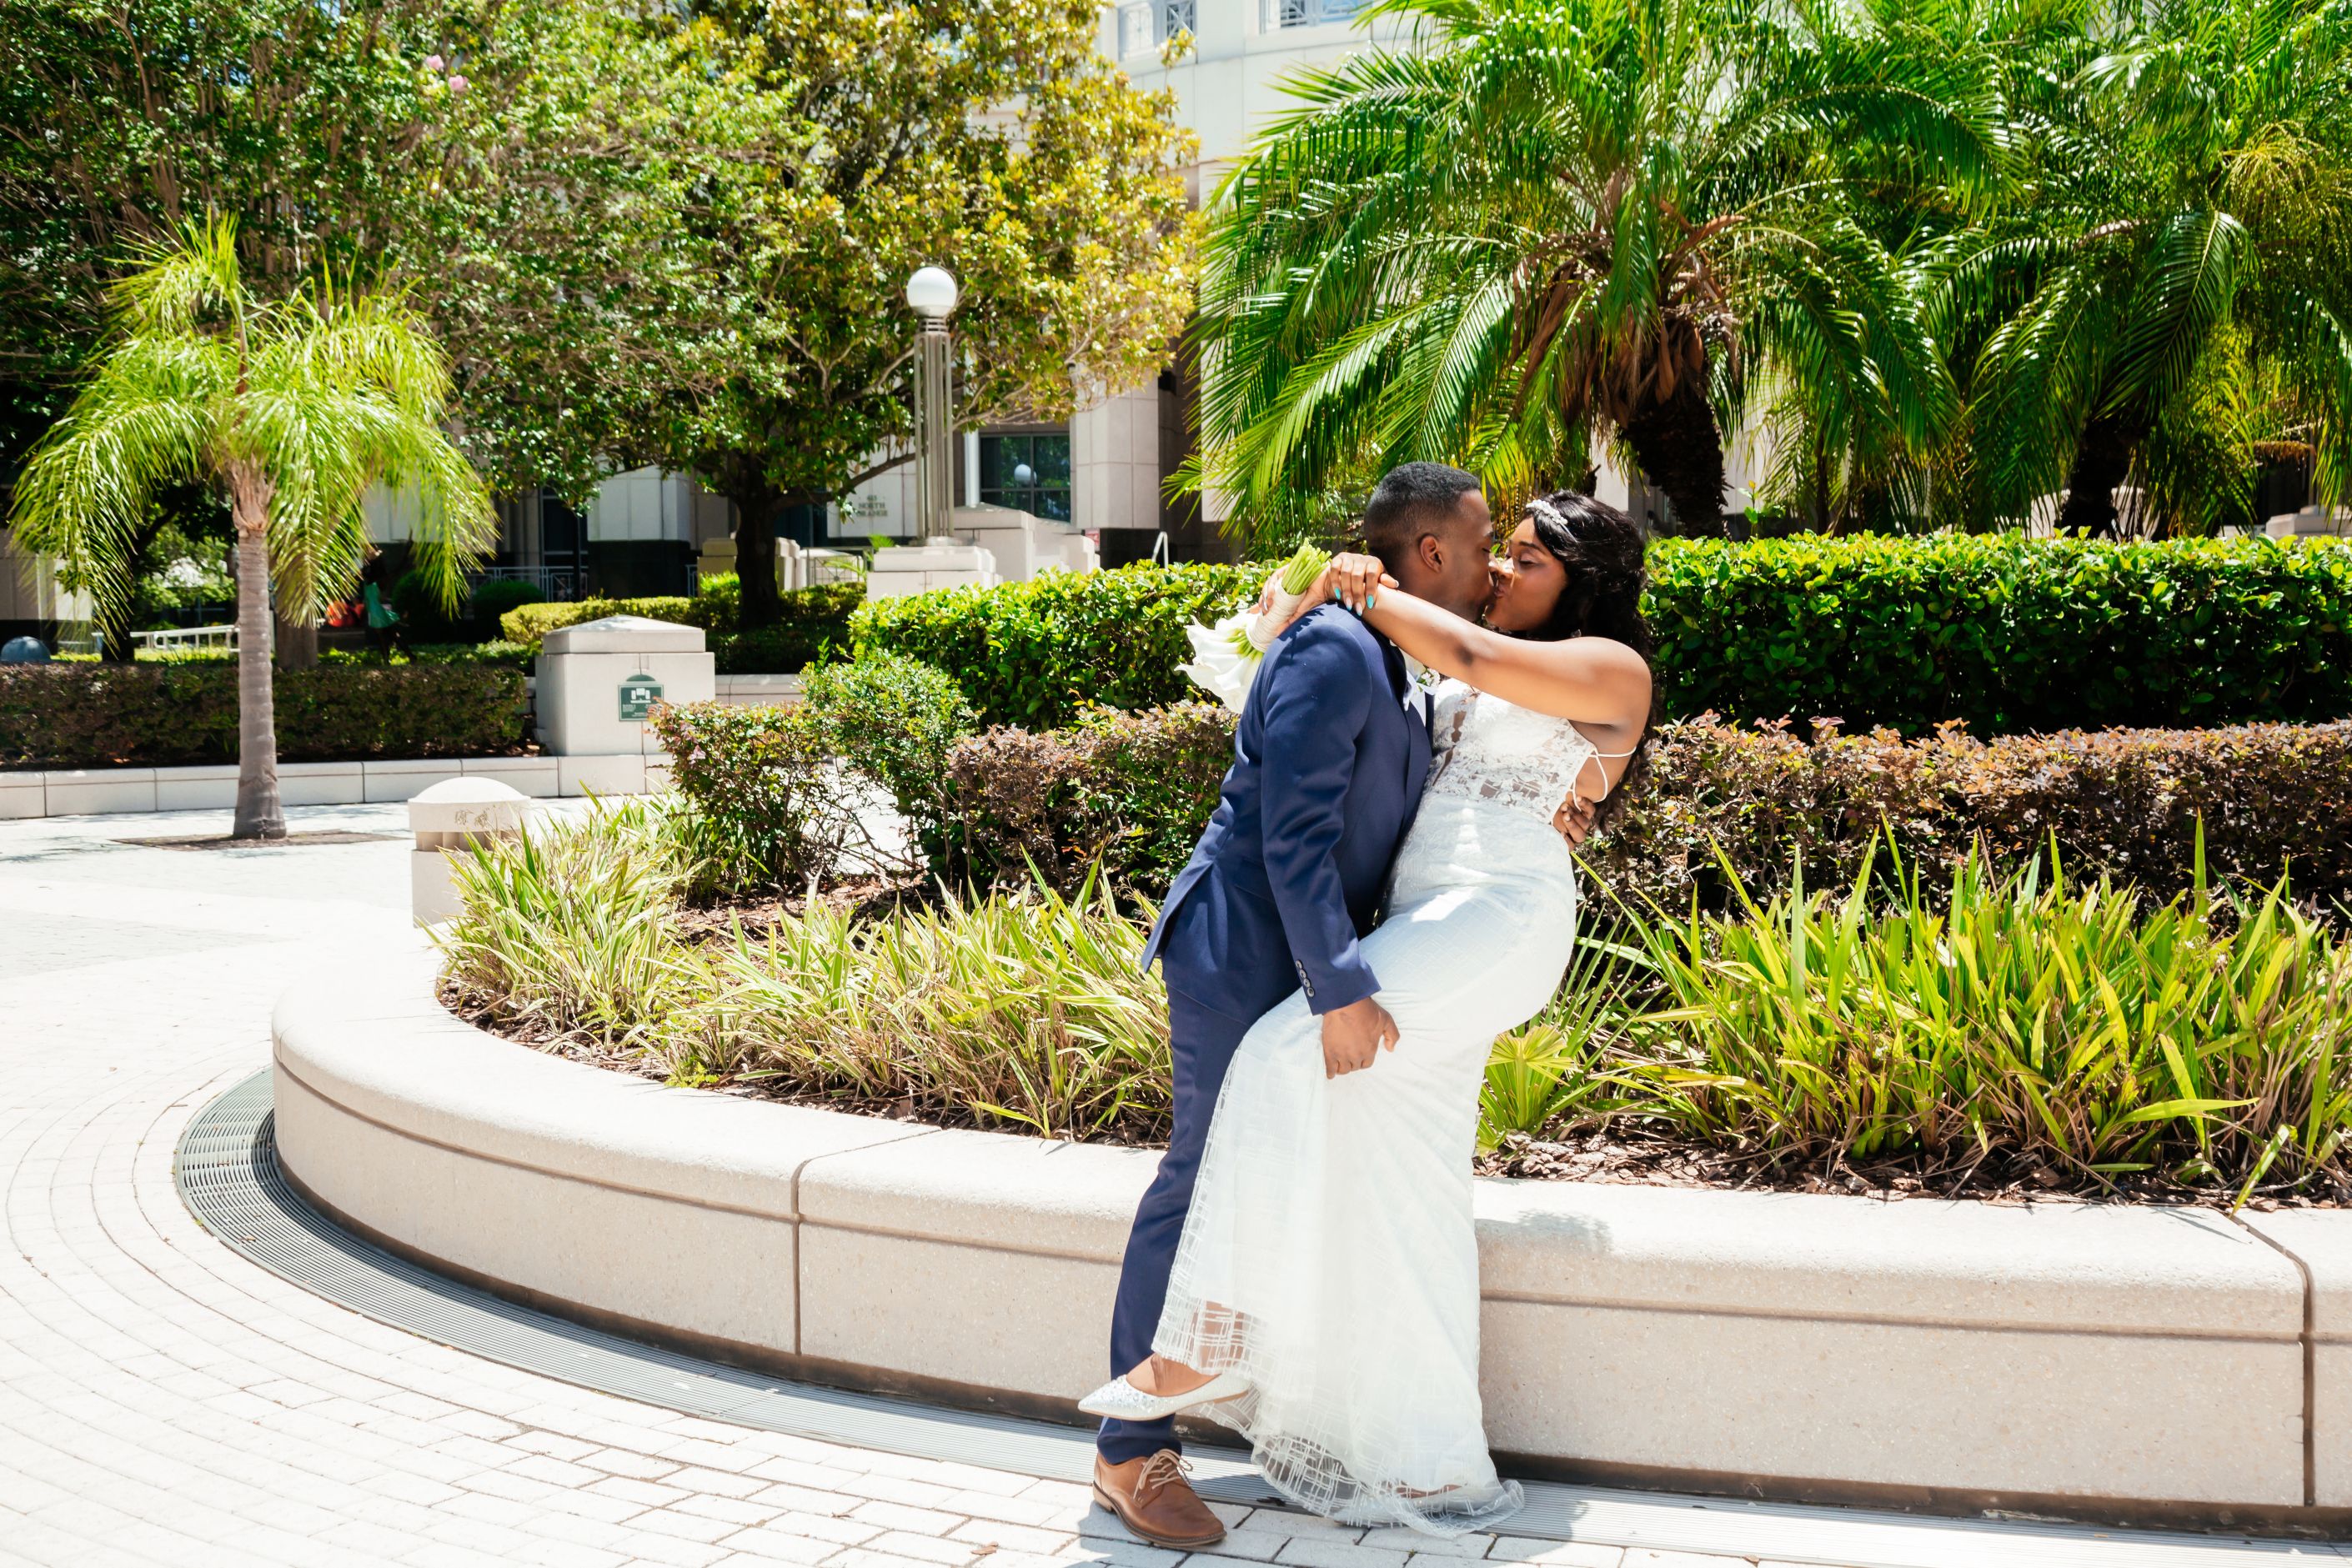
(638,695)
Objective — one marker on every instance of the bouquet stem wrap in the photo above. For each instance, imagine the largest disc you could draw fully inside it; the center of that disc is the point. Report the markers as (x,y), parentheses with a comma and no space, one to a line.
(1225,656)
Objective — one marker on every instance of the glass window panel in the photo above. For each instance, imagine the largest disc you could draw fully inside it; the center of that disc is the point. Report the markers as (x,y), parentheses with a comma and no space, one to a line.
(1050,455)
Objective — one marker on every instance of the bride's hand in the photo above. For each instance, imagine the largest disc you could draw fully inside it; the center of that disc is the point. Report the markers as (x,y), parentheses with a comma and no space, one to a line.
(1353,580)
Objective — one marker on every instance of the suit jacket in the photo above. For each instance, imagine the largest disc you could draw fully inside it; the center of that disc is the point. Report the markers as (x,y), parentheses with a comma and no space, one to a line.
(1328,761)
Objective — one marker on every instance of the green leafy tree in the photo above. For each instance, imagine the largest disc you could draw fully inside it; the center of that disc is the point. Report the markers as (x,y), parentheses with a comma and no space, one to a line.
(294,408)
(1561,217)
(568,235)
(986,136)
(530,171)
(2182,245)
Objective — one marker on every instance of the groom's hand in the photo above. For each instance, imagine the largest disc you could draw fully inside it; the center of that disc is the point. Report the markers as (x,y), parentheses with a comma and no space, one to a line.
(1353,1035)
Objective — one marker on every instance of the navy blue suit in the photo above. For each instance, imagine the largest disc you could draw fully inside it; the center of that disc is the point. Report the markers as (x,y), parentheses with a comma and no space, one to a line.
(1328,761)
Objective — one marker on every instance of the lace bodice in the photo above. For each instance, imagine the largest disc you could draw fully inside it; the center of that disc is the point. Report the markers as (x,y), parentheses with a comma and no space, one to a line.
(1490,751)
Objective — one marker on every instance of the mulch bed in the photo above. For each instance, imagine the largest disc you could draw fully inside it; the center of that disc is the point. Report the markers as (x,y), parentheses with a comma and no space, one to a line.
(297,841)
(1627,1156)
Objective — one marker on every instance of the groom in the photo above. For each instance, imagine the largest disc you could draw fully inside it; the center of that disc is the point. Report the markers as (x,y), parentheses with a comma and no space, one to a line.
(1329,758)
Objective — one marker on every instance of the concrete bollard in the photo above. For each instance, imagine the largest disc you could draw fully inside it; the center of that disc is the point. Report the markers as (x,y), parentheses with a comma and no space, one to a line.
(453,816)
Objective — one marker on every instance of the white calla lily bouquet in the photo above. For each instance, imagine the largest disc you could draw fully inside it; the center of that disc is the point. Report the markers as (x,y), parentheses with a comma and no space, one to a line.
(1225,656)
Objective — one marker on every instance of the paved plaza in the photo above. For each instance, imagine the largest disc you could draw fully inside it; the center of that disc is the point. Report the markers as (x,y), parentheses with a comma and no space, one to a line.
(163,1401)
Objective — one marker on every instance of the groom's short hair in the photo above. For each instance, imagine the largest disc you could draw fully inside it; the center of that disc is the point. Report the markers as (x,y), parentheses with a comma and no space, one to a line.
(1412,500)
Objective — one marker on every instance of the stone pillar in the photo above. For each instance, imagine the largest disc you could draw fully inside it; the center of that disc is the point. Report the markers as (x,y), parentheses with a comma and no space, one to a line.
(454,817)
(1115,468)
(598,682)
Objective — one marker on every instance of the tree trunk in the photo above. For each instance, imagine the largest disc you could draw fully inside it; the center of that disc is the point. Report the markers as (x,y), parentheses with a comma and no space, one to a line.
(1674,440)
(2102,462)
(756,505)
(114,617)
(298,642)
(258,812)
(1821,518)
(113,622)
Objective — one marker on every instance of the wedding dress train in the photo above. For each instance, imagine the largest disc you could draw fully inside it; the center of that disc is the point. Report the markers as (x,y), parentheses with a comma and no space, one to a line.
(1330,1256)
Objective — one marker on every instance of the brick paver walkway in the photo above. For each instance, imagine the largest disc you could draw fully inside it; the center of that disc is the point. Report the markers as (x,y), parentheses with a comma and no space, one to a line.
(164,1402)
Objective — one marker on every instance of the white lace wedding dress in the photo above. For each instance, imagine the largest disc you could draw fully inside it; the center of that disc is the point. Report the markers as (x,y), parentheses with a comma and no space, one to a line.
(1328,1253)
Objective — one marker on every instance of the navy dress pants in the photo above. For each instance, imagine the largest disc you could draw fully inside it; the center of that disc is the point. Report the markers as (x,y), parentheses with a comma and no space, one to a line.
(1202,1040)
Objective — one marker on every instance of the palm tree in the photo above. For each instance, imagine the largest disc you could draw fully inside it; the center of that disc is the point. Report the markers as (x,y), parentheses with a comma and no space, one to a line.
(1551,216)
(2187,222)
(294,409)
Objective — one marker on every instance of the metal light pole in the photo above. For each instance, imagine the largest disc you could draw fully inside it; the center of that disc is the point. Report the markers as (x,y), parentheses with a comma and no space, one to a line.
(932,293)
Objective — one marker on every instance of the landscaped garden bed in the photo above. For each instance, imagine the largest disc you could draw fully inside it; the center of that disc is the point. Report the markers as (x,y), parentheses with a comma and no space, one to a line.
(2004,1037)
(2087,964)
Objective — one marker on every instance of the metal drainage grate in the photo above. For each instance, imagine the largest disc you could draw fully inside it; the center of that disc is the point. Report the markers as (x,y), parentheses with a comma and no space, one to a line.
(226,1172)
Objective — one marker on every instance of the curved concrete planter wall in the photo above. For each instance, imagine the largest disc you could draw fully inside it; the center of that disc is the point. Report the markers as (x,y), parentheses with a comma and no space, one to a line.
(2125,1363)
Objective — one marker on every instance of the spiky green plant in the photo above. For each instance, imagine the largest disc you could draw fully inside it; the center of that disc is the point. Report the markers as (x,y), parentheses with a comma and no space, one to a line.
(1018,1010)
(294,407)
(1556,1067)
(573,925)
(1553,215)
(2026,1020)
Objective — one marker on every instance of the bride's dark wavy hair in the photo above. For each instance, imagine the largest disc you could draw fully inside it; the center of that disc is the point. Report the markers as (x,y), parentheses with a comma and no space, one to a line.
(1606,554)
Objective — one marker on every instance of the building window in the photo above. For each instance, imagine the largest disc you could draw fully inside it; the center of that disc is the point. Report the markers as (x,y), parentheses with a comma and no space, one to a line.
(1145,25)
(1281,13)
(1028,473)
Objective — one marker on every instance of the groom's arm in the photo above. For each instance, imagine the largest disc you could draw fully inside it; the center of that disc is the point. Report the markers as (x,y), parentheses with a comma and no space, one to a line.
(1314,708)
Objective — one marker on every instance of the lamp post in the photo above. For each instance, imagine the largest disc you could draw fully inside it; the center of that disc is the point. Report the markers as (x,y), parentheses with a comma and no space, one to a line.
(932,291)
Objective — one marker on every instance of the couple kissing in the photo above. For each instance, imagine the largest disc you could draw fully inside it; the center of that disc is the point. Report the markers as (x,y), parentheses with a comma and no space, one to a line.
(1387,884)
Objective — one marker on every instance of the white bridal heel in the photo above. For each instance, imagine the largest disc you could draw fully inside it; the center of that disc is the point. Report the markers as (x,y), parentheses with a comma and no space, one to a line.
(1122,1401)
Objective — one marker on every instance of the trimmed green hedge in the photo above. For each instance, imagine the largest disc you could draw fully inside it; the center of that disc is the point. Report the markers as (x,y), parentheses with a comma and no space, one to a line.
(162,715)
(1036,652)
(814,619)
(2003,633)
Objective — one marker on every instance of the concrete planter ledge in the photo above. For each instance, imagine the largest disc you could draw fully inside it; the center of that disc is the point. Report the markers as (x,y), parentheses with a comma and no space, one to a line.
(2127,1364)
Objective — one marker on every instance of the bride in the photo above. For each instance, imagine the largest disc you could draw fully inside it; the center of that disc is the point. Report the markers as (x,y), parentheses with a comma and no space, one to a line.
(1325,1296)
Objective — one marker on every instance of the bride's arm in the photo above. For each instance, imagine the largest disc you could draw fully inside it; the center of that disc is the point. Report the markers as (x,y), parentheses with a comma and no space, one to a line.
(1591,680)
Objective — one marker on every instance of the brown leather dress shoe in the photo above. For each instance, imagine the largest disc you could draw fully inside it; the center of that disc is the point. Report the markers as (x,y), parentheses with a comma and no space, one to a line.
(1155,1501)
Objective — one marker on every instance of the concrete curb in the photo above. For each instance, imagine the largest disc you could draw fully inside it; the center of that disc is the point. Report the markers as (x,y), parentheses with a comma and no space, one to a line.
(2107,1362)
(97,791)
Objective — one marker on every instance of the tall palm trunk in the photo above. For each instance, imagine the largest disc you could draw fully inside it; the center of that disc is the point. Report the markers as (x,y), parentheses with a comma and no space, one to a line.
(1674,440)
(297,642)
(259,813)
(2102,462)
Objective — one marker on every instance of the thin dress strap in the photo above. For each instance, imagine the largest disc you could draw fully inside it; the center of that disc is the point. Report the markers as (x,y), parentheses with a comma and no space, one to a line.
(1593,754)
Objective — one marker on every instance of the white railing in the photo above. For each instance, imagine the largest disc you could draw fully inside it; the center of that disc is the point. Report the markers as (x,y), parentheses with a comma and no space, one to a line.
(555,581)
(1145,25)
(181,639)
(172,640)
(1281,13)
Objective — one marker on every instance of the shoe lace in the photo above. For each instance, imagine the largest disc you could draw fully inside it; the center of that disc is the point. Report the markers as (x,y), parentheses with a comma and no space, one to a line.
(1164,1469)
